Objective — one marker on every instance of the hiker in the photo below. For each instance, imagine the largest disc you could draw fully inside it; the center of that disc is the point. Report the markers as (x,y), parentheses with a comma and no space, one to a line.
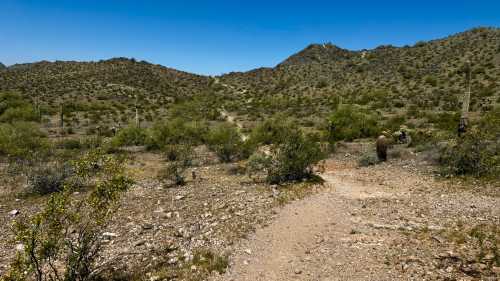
(404,137)
(462,127)
(382,145)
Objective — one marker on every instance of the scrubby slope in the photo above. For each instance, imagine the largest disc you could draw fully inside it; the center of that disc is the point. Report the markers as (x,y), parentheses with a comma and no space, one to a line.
(409,79)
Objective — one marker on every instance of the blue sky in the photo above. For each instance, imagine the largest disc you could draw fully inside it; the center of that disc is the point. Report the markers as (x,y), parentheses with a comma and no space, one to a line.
(214,37)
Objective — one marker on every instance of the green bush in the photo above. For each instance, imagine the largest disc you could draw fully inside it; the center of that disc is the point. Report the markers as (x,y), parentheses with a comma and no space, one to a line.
(444,121)
(131,135)
(473,154)
(197,108)
(24,113)
(350,122)
(226,142)
(490,123)
(180,159)
(271,131)
(258,163)
(64,240)
(176,131)
(294,158)
(11,100)
(174,172)
(13,107)
(21,140)
(71,144)
(178,152)
(368,159)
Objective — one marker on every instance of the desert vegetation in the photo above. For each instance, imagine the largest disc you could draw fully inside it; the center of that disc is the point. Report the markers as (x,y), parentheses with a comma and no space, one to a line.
(78,140)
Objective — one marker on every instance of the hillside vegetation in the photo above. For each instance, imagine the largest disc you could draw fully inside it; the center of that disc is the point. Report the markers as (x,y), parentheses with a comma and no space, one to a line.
(125,170)
(415,82)
(102,93)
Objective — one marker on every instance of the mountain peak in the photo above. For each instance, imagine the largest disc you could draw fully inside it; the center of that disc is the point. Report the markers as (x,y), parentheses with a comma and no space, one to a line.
(317,53)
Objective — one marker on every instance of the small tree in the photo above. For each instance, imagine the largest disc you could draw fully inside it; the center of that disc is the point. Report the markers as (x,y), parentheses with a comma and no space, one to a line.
(472,154)
(130,135)
(349,122)
(21,140)
(226,142)
(294,158)
(180,159)
(64,240)
(271,131)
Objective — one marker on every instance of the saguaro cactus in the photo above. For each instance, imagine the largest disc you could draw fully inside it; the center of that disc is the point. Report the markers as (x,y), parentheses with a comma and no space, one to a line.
(464,118)
(61,116)
(137,119)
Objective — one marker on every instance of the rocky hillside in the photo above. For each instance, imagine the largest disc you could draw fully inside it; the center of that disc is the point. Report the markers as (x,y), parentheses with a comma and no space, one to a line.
(106,91)
(418,83)
(428,76)
(117,78)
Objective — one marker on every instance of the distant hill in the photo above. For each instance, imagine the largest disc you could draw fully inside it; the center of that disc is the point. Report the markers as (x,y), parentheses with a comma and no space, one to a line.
(103,93)
(410,81)
(91,77)
(2,66)
(392,80)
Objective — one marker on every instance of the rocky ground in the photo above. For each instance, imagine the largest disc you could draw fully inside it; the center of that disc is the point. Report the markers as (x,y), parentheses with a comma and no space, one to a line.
(393,221)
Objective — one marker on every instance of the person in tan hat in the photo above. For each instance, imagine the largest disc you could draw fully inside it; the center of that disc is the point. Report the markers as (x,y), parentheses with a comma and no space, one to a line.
(382,145)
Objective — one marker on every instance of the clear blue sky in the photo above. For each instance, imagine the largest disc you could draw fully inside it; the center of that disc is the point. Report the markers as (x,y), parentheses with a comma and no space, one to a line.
(213,37)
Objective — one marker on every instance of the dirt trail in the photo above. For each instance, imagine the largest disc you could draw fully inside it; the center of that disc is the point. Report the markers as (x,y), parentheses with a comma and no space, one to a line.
(366,224)
(231,119)
(314,239)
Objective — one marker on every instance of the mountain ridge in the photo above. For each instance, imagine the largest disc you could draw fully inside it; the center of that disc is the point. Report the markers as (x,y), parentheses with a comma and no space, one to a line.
(425,76)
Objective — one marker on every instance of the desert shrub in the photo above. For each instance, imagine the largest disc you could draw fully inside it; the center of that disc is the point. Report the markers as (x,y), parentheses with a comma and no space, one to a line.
(11,100)
(294,158)
(64,240)
(473,154)
(444,121)
(349,122)
(178,152)
(490,123)
(69,144)
(176,131)
(209,261)
(394,123)
(423,138)
(44,179)
(179,158)
(197,108)
(131,135)
(13,107)
(174,172)
(226,142)
(258,163)
(24,113)
(368,159)
(91,142)
(273,130)
(21,139)
(431,81)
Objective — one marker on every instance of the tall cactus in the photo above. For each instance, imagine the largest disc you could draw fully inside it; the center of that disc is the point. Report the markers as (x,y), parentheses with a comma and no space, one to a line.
(61,117)
(464,118)
(137,119)
(466,101)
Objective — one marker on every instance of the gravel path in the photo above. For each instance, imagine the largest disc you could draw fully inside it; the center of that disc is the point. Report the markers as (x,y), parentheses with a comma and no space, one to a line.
(362,227)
